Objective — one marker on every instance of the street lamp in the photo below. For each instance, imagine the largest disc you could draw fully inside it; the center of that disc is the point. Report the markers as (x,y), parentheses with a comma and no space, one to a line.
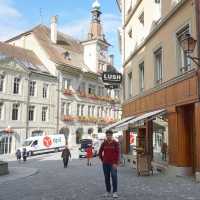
(188,44)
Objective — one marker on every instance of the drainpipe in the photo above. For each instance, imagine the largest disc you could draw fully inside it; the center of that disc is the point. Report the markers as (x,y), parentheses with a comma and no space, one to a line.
(27,105)
(58,103)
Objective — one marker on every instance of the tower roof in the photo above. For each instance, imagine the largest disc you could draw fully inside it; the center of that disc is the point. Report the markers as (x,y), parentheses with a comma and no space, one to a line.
(96,5)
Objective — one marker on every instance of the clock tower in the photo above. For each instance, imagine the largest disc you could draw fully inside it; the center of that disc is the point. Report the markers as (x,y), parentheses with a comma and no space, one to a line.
(96,46)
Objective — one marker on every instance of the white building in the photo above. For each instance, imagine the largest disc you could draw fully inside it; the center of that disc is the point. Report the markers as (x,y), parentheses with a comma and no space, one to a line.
(27,101)
(84,106)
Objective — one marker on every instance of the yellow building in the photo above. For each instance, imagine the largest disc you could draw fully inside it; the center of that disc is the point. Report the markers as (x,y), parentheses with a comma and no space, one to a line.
(161,82)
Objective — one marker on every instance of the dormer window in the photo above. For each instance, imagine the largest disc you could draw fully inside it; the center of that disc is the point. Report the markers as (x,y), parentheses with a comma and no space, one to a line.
(130,33)
(67,55)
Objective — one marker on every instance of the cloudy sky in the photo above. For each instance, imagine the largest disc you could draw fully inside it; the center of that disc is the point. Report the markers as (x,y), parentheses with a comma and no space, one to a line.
(74,16)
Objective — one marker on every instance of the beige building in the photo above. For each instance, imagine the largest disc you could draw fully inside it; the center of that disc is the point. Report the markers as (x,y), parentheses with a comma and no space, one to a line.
(161,82)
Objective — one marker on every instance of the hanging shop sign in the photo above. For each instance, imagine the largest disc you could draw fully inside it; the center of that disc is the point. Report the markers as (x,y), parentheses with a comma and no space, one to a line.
(111,77)
(111,87)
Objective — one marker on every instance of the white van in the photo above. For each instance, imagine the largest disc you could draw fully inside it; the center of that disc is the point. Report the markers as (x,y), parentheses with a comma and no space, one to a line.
(42,144)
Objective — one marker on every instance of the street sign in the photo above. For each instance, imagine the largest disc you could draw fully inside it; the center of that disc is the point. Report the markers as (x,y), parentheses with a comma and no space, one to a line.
(112,87)
(111,77)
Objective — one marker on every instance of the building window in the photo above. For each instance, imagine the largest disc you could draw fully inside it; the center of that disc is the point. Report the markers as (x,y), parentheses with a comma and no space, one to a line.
(98,112)
(91,89)
(67,84)
(82,110)
(15,112)
(1,83)
(44,114)
(184,63)
(141,76)
(67,108)
(158,65)
(130,86)
(89,110)
(141,18)
(78,109)
(130,33)
(16,85)
(45,90)
(93,109)
(1,111)
(157,1)
(116,93)
(67,55)
(32,88)
(82,87)
(31,113)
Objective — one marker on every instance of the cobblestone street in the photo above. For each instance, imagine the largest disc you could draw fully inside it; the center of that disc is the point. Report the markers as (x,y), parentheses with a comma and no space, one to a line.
(53,182)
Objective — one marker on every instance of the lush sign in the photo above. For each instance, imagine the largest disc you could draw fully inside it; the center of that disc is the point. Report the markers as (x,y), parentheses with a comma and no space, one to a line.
(111,77)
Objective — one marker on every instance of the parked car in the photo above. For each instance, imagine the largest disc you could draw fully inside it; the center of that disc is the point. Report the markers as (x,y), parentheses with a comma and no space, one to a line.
(83,146)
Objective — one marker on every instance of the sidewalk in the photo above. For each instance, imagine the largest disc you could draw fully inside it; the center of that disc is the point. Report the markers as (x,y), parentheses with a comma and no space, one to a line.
(17,173)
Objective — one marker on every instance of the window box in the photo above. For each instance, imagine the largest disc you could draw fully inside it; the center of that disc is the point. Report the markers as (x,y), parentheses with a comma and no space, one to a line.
(68,92)
(68,118)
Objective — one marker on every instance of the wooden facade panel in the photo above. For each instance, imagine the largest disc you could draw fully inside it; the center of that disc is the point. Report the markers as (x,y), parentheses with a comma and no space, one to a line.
(172,146)
(182,92)
(197,136)
(193,87)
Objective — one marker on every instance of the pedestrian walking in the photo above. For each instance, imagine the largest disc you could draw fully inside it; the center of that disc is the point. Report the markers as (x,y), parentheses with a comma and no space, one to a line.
(65,156)
(89,154)
(18,155)
(109,155)
(24,154)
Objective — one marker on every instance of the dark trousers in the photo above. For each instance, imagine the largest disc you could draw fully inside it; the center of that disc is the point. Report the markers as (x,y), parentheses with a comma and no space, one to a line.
(65,162)
(109,171)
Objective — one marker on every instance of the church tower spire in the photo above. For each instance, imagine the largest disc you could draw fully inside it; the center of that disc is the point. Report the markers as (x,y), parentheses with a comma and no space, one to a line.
(96,31)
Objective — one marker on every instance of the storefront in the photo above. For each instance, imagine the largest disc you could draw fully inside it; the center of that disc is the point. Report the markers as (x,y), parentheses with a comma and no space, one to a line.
(7,142)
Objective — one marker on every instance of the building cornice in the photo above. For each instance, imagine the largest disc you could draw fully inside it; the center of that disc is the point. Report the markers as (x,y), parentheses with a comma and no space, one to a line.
(156,29)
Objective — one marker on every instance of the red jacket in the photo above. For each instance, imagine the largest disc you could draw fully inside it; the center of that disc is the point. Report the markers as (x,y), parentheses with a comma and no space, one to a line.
(109,152)
(89,153)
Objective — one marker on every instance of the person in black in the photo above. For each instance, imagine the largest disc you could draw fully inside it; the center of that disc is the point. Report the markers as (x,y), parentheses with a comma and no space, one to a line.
(18,155)
(24,154)
(65,156)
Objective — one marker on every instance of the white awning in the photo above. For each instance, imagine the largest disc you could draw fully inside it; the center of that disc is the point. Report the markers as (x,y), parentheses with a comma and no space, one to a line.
(127,124)
(112,126)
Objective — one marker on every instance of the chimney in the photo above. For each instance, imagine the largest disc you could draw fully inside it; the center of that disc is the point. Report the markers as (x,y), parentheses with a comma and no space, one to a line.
(54,20)
(111,60)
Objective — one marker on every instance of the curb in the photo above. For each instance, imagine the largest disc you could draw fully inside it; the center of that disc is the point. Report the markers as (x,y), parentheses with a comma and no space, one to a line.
(18,173)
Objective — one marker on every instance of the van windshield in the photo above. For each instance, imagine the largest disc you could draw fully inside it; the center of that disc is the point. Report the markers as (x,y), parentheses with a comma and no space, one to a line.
(27,143)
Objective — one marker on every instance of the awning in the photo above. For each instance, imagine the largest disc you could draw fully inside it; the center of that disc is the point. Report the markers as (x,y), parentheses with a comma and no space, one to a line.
(125,125)
(112,126)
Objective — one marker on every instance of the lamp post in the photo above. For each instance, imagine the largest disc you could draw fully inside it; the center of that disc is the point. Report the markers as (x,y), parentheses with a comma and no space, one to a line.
(188,44)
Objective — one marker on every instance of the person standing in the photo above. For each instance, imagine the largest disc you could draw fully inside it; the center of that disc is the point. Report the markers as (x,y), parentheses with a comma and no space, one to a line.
(65,156)
(18,155)
(164,151)
(109,155)
(89,154)
(24,154)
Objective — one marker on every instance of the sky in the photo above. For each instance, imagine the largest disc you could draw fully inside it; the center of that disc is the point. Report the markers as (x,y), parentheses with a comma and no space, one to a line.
(17,16)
